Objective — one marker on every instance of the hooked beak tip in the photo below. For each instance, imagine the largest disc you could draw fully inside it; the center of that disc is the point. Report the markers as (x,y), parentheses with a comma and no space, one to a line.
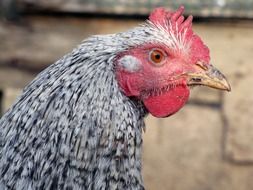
(227,86)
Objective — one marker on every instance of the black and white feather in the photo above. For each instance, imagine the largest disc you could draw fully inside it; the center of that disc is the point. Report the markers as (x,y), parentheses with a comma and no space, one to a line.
(73,128)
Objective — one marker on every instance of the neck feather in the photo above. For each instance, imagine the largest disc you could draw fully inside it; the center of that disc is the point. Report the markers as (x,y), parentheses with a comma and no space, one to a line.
(74,121)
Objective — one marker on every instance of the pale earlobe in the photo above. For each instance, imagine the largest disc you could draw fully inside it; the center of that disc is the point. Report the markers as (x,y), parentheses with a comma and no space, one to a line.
(129,63)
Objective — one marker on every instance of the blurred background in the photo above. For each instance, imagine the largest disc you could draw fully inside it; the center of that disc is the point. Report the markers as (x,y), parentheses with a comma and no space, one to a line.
(208,145)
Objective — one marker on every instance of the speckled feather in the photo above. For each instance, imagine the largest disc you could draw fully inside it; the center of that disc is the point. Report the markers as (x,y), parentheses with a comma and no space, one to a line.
(73,128)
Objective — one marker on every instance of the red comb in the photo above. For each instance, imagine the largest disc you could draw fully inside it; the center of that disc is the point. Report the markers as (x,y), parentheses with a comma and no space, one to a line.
(175,22)
(161,16)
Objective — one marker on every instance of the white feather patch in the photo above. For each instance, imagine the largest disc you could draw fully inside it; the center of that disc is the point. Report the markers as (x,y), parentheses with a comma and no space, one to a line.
(130,63)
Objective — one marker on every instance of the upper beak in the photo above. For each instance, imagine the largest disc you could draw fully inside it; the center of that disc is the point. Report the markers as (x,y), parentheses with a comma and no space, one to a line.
(208,75)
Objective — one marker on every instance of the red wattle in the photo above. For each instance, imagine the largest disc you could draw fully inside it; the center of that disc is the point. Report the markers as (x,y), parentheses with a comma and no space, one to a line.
(167,103)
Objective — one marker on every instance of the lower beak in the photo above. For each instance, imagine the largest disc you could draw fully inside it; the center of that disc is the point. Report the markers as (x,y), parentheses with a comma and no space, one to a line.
(208,75)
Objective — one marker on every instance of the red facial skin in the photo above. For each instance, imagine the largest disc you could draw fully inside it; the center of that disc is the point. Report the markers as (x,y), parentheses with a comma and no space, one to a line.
(168,73)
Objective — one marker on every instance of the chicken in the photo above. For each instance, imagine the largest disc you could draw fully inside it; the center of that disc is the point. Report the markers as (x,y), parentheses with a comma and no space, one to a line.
(78,125)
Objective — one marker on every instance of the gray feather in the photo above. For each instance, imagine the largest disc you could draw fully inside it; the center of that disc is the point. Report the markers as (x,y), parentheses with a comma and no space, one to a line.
(73,128)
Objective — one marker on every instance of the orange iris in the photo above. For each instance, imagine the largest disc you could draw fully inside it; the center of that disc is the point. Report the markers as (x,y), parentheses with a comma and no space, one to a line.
(156,56)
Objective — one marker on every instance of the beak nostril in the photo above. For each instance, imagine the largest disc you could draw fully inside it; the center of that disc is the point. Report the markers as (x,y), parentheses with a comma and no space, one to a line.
(196,80)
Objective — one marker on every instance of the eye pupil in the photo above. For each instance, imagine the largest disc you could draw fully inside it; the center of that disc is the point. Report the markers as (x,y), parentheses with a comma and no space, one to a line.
(157,56)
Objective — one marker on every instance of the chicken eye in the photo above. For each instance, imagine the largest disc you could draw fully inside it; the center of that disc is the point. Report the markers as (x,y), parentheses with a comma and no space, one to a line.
(156,56)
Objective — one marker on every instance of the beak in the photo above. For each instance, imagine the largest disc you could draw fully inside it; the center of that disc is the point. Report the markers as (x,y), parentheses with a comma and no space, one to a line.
(208,75)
